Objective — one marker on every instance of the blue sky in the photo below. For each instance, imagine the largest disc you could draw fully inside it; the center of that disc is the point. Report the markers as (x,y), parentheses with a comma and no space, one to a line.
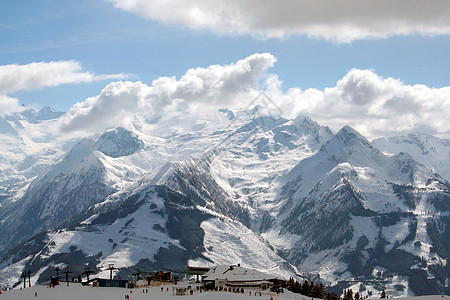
(106,38)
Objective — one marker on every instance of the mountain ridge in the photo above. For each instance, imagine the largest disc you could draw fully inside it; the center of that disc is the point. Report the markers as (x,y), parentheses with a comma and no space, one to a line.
(289,196)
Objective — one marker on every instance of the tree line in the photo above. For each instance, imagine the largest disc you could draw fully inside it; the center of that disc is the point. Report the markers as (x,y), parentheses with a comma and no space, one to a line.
(311,289)
(318,290)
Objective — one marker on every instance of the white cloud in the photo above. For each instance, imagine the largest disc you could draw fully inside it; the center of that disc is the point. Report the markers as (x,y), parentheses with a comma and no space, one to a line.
(339,20)
(373,105)
(42,74)
(9,104)
(117,102)
(212,86)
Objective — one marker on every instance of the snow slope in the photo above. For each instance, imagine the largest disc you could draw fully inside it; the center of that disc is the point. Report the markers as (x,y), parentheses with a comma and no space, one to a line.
(76,291)
(429,150)
(288,197)
(29,147)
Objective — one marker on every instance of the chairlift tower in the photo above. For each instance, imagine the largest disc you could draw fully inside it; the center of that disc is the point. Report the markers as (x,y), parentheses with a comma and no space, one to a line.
(24,275)
(29,278)
(111,268)
(67,272)
(138,274)
(87,271)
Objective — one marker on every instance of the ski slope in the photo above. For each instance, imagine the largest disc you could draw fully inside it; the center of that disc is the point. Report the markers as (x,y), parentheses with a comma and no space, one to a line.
(77,292)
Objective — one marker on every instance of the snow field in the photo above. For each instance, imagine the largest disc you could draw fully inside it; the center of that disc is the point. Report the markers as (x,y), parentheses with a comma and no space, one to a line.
(229,242)
(78,292)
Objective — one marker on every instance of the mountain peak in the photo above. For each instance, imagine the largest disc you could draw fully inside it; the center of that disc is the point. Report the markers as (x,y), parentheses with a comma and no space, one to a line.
(421,138)
(303,119)
(348,130)
(45,113)
(350,136)
(118,142)
(266,123)
(46,109)
(348,145)
(428,149)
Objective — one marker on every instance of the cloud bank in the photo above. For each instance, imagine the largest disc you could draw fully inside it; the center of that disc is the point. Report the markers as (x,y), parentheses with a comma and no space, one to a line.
(338,20)
(373,105)
(42,74)
(207,87)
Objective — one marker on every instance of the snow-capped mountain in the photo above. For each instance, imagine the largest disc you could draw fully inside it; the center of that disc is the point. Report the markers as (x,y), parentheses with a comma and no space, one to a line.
(83,176)
(287,197)
(431,151)
(351,203)
(29,147)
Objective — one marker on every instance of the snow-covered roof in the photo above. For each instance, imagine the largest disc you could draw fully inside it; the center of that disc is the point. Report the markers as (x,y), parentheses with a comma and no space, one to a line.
(236,273)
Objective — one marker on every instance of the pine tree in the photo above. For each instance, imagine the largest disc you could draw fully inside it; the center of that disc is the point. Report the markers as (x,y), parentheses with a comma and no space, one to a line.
(305,288)
(348,294)
(297,287)
(311,289)
(291,284)
(357,296)
(294,285)
(314,290)
(319,291)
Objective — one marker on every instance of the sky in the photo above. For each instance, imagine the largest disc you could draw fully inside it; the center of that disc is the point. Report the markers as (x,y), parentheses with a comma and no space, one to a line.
(380,66)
